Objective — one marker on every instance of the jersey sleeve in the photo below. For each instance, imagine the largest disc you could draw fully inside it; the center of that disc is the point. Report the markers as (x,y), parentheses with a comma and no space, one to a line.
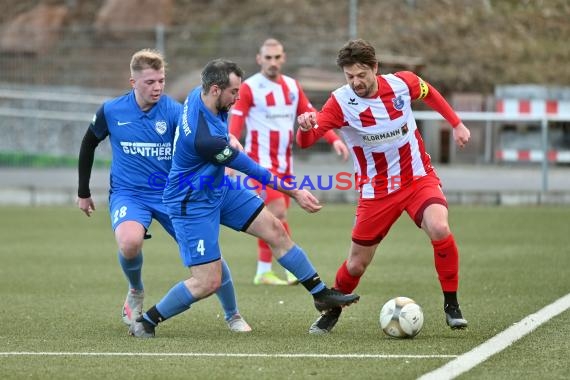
(330,117)
(420,89)
(240,110)
(85,162)
(243,163)
(330,137)
(217,150)
(211,147)
(304,105)
(99,125)
(96,132)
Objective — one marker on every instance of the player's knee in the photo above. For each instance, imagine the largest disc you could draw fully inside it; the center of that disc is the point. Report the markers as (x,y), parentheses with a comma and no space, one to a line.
(130,246)
(280,214)
(356,268)
(279,209)
(276,234)
(211,285)
(439,231)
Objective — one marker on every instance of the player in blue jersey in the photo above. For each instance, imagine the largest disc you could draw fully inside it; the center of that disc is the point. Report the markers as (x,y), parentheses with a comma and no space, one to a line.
(199,198)
(141,126)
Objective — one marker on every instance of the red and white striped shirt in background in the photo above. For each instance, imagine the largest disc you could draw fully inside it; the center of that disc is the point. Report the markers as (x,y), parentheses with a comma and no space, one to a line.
(269,109)
(381,132)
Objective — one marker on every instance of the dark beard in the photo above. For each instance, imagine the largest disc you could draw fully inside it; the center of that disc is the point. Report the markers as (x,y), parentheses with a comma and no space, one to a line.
(221,108)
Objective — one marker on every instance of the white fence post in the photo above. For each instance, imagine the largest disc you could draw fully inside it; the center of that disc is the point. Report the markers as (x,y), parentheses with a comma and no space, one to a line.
(544,133)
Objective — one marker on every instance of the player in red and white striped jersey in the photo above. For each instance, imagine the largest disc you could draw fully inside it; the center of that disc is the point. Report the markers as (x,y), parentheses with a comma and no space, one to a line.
(393,169)
(268,105)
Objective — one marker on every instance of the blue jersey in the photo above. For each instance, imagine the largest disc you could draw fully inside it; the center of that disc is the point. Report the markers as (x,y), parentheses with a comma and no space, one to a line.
(201,152)
(141,142)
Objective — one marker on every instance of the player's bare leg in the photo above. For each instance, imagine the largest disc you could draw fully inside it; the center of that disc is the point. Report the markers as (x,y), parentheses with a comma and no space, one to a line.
(267,227)
(264,274)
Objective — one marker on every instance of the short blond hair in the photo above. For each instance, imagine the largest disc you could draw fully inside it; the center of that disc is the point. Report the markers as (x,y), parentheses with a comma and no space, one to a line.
(147,59)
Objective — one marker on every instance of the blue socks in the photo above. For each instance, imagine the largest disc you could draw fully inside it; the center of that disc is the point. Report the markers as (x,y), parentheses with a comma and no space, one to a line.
(297,262)
(177,300)
(132,268)
(226,294)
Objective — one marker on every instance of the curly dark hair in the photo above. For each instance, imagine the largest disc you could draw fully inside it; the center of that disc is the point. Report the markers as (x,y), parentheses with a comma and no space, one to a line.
(357,52)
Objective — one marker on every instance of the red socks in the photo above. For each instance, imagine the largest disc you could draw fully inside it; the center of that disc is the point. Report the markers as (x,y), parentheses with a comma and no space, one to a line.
(263,252)
(344,281)
(446,258)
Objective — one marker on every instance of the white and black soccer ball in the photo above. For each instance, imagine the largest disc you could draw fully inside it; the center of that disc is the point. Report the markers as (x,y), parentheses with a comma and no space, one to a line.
(401,317)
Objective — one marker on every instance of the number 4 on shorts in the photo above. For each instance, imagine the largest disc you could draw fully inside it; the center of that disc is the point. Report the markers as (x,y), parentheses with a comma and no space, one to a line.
(200,248)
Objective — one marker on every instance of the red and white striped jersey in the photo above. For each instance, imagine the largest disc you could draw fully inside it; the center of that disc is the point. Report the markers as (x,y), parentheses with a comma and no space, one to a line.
(381,133)
(270,110)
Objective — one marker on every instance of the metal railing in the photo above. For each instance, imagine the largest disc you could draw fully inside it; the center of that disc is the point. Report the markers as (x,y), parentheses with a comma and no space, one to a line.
(491,120)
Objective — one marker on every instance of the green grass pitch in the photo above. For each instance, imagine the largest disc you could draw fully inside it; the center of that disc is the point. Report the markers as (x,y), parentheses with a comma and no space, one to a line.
(62,290)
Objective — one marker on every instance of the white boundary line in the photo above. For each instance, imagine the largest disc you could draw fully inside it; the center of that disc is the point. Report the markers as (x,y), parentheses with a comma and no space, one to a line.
(499,342)
(452,369)
(229,355)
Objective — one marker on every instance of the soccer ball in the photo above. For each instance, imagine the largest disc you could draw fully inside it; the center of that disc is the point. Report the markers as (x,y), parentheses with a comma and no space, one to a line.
(401,317)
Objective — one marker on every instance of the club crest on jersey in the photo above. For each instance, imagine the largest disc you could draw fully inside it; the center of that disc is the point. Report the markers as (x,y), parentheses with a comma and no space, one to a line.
(398,103)
(291,97)
(160,127)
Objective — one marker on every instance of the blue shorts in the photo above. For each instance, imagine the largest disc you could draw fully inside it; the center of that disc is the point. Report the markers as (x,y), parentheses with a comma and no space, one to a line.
(123,207)
(198,231)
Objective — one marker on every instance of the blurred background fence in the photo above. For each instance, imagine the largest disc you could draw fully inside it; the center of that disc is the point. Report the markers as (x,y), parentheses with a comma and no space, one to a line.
(87,57)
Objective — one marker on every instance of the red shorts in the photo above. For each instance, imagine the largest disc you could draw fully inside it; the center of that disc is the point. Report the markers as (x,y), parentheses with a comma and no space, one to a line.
(375,217)
(269,194)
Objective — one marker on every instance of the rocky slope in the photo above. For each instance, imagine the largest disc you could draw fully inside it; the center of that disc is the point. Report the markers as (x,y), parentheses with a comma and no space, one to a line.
(465,45)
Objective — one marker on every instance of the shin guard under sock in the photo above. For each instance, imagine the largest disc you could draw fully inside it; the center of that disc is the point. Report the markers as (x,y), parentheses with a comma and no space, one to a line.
(446,259)
(344,281)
